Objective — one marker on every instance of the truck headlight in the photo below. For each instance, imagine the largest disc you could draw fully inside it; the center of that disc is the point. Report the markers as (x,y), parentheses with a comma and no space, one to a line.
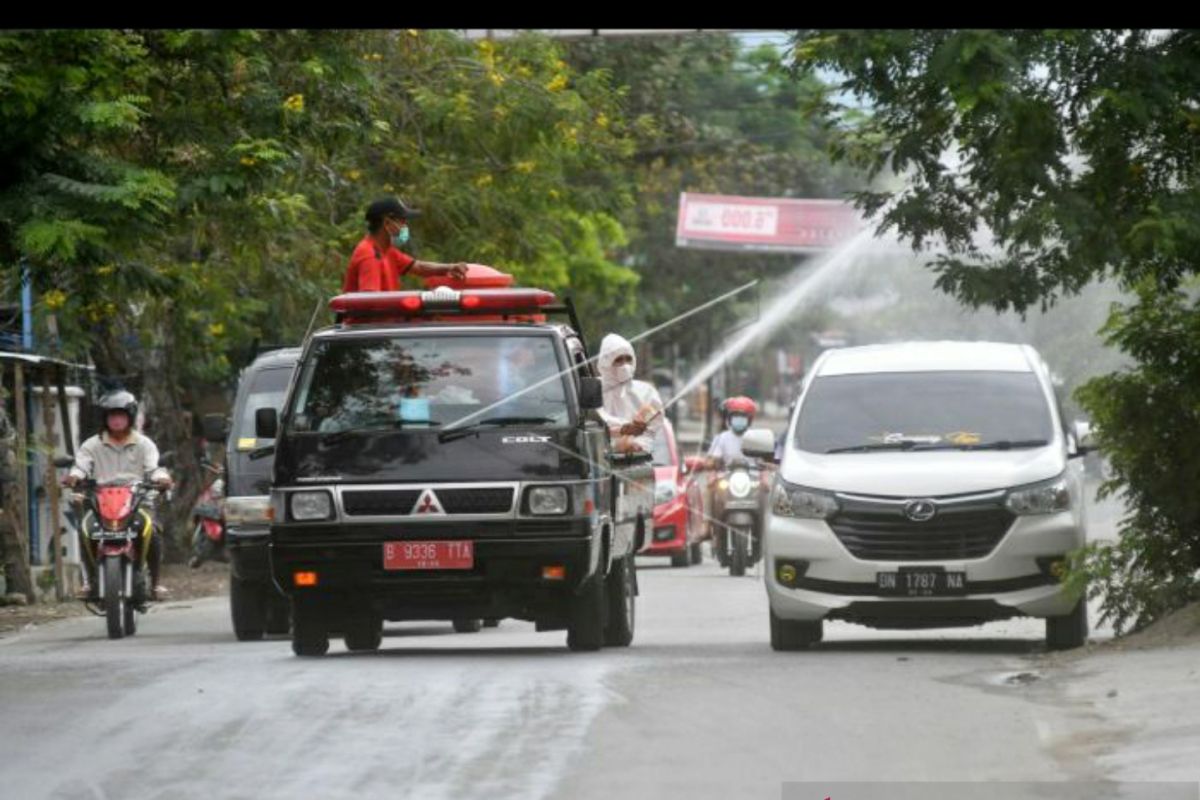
(1047,497)
(797,501)
(548,500)
(664,493)
(309,506)
(252,510)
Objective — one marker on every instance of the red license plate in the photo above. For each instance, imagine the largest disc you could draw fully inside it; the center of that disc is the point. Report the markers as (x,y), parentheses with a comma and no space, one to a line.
(428,555)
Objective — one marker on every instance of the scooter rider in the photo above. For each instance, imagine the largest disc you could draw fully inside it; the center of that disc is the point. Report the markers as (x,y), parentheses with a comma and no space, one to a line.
(120,450)
(727,446)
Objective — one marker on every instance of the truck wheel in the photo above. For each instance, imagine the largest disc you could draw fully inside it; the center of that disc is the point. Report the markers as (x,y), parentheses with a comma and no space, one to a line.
(491,622)
(585,631)
(794,634)
(114,599)
(279,619)
(1068,631)
(309,635)
(364,634)
(246,608)
(468,625)
(622,602)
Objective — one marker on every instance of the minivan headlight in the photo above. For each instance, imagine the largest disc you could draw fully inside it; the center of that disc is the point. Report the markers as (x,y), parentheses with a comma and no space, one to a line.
(1046,497)
(788,500)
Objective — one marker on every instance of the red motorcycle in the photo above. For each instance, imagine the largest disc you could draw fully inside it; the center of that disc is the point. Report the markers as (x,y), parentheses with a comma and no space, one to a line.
(117,528)
(208,519)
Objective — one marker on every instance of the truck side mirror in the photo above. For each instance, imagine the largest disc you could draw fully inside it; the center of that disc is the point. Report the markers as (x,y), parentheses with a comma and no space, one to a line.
(216,428)
(266,423)
(759,443)
(591,393)
(1085,437)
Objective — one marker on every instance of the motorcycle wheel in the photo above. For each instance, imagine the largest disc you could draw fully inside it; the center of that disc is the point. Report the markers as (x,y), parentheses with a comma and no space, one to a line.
(114,599)
(738,556)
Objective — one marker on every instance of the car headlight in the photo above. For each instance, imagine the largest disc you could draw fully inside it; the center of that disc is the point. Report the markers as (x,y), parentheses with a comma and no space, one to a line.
(308,506)
(797,501)
(664,493)
(548,500)
(248,510)
(1047,497)
(740,484)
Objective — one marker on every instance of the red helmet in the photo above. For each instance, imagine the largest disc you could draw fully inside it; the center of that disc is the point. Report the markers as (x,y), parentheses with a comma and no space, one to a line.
(740,405)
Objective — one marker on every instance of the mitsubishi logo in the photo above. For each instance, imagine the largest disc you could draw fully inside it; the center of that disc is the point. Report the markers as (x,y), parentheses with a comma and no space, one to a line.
(428,504)
(920,510)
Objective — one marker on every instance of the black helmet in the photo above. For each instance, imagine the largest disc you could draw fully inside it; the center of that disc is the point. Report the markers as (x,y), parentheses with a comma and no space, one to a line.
(119,400)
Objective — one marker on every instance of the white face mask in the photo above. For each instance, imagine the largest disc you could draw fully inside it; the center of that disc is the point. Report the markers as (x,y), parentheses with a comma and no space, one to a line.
(624,373)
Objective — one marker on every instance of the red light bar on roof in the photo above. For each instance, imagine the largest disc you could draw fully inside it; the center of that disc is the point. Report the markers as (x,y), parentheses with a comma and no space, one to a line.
(442,300)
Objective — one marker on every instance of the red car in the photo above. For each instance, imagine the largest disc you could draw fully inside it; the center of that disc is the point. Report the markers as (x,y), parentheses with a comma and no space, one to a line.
(677,505)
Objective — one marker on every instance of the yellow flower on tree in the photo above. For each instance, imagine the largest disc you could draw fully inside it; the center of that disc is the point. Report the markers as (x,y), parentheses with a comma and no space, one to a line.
(557,84)
(483,181)
(216,329)
(295,103)
(55,299)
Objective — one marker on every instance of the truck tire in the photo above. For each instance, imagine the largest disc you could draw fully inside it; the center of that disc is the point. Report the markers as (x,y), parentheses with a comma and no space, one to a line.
(585,631)
(364,633)
(468,625)
(279,615)
(622,602)
(309,634)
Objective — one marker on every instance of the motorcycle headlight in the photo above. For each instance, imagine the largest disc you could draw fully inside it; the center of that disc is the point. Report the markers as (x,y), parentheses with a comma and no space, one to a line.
(248,510)
(1047,497)
(664,493)
(797,501)
(740,484)
(548,500)
(309,506)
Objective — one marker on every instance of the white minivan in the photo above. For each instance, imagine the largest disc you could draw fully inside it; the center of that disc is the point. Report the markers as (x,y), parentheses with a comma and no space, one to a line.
(924,485)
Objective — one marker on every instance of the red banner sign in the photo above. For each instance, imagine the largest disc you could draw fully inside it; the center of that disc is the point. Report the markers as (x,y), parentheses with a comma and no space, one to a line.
(728,222)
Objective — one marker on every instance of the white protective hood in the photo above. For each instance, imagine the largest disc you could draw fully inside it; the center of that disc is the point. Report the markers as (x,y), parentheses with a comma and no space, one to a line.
(625,401)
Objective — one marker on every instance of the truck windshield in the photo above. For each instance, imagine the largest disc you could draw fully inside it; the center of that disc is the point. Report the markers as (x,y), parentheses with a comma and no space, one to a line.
(428,382)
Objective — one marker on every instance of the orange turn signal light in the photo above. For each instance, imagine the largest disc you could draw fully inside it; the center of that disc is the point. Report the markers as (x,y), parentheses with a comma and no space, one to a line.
(304,578)
(554,572)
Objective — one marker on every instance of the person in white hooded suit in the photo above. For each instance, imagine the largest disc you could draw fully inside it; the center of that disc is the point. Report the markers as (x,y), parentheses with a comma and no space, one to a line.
(632,408)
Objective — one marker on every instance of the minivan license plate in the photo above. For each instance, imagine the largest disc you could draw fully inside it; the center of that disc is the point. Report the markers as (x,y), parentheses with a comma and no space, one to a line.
(921,583)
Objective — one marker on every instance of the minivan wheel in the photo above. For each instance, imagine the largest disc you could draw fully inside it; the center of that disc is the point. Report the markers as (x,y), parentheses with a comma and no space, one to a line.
(246,608)
(789,634)
(1068,631)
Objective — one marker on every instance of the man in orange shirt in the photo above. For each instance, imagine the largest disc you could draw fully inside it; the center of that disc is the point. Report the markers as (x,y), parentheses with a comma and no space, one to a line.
(377,264)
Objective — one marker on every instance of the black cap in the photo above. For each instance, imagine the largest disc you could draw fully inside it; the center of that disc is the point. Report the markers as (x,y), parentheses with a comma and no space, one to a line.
(389,207)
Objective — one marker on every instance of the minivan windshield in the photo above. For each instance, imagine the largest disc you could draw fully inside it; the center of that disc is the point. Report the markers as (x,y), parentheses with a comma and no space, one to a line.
(922,411)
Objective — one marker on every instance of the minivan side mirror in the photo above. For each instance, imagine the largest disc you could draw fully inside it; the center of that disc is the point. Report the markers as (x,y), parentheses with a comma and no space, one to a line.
(591,393)
(759,443)
(216,428)
(266,423)
(1085,437)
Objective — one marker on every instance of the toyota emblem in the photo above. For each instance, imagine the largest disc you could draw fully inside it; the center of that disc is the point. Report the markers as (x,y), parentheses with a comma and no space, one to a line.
(920,510)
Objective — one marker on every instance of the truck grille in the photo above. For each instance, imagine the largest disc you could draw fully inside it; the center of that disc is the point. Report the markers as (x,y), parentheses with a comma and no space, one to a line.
(400,502)
(877,530)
